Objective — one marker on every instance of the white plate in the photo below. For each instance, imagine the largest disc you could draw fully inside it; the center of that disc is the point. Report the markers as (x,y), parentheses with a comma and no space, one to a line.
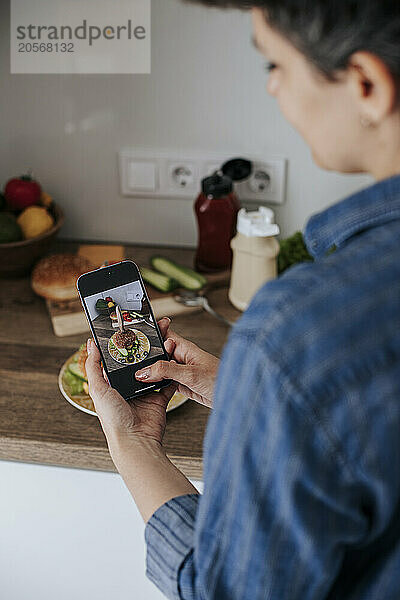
(86,402)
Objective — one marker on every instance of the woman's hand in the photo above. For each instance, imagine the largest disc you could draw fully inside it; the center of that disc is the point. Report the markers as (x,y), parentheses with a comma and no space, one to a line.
(144,417)
(193,369)
(134,432)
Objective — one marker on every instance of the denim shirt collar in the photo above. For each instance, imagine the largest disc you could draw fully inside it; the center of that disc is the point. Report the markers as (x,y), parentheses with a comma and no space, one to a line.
(374,205)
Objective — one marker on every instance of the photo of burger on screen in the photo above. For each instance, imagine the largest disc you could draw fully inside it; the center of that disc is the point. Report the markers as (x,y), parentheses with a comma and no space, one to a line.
(124,326)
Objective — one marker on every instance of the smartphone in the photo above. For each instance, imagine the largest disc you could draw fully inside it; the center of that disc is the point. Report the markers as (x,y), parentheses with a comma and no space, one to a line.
(126,346)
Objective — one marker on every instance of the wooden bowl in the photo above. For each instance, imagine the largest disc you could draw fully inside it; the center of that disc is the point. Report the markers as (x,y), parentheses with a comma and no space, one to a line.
(18,258)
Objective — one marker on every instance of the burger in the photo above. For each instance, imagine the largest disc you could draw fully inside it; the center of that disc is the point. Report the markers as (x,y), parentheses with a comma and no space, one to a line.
(125,341)
(54,277)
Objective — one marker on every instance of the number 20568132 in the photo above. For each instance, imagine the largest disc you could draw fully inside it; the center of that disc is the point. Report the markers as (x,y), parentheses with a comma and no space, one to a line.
(46,47)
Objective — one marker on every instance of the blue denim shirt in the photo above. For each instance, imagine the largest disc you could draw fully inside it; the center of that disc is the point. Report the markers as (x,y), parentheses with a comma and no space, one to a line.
(302,451)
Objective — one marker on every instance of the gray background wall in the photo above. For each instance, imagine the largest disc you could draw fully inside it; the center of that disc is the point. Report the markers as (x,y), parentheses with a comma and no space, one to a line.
(206,92)
(119,295)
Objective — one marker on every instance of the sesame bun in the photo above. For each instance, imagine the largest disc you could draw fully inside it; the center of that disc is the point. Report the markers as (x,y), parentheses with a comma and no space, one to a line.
(54,277)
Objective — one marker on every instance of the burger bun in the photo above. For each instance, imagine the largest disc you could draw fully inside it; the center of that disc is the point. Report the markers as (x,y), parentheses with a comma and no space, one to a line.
(54,277)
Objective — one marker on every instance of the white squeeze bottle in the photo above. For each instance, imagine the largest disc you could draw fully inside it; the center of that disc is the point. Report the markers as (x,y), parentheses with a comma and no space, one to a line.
(255,251)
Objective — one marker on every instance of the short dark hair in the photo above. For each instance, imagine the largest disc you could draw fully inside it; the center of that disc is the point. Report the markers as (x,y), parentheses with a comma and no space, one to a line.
(328,32)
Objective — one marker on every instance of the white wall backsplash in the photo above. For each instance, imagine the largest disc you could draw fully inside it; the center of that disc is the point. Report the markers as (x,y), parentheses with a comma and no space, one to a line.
(206,92)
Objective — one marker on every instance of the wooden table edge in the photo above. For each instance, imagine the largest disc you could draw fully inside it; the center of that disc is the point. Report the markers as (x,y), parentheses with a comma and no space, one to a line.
(77,456)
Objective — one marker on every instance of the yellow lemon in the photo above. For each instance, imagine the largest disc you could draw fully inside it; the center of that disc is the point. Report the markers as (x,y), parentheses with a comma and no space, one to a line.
(34,221)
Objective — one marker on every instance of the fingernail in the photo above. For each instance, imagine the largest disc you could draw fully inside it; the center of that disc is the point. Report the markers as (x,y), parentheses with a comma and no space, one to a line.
(143,374)
(167,319)
(89,345)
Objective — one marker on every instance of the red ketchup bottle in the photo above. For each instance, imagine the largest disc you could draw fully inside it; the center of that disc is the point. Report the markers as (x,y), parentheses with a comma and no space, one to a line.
(216,210)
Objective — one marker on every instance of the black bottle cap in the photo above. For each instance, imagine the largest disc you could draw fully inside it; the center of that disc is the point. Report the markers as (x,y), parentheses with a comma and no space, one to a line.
(216,185)
(237,168)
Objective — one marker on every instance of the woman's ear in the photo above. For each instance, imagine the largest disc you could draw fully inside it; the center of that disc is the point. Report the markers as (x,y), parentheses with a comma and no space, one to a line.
(373,86)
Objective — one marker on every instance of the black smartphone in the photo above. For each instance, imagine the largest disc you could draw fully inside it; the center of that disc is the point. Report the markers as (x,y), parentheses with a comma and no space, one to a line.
(123,325)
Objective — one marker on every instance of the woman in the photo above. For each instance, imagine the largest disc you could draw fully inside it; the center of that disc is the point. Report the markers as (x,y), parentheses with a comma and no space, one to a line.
(302,453)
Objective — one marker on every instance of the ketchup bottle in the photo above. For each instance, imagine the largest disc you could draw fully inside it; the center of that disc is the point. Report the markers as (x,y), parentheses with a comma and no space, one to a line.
(216,210)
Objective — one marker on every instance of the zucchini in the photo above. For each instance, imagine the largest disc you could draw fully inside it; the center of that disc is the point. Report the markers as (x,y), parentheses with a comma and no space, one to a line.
(187,278)
(161,282)
(76,369)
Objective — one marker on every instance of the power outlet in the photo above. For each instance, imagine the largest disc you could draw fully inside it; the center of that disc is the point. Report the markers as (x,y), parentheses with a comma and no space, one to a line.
(182,176)
(175,175)
(266,184)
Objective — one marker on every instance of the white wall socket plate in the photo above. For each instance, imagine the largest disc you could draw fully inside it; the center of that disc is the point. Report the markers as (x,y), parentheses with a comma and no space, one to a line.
(171,174)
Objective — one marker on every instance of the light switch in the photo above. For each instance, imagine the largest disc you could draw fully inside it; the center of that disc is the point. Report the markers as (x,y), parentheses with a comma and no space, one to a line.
(142,175)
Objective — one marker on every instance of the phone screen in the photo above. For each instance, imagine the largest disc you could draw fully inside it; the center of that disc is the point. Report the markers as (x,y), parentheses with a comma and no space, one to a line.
(138,343)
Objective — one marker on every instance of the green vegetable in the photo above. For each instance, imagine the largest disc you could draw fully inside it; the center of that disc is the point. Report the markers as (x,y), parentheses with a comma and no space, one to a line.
(102,306)
(193,273)
(136,314)
(163,283)
(76,369)
(123,351)
(293,250)
(187,278)
(10,231)
(73,383)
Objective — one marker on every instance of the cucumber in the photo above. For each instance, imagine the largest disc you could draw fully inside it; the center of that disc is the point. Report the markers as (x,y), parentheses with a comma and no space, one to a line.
(189,271)
(74,384)
(77,370)
(187,278)
(162,283)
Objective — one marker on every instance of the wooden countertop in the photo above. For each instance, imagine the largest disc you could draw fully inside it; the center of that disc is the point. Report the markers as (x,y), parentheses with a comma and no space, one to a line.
(37,425)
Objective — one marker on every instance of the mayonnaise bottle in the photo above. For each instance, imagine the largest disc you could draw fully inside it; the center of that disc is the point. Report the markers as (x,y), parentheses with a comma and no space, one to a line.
(255,251)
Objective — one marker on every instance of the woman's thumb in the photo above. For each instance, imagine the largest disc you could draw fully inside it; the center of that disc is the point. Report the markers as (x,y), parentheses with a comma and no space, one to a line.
(94,372)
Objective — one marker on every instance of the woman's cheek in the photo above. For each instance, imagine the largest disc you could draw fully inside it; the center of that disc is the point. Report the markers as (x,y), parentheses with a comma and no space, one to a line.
(289,109)
(293,104)
(296,110)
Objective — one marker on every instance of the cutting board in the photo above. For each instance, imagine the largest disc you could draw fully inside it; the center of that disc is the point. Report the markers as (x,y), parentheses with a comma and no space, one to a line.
(68,318)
